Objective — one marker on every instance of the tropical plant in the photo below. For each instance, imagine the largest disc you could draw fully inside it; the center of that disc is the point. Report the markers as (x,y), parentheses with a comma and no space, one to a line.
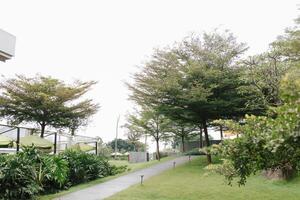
(18,177)
(84,167)
(31,172)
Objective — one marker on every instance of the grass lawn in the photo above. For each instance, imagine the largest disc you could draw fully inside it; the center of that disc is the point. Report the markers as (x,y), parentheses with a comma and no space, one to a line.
(137,166)
(132,166)
(191,181)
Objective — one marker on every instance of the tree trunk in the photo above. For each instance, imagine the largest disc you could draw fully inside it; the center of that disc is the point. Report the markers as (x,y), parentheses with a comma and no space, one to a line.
(201,138)
(284,173)
(73,131)
(43,125)
(183,146)
(221,132)
(157,150)
(206,141)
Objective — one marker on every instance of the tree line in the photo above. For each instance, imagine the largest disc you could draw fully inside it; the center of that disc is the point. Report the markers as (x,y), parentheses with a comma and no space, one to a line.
(204,78)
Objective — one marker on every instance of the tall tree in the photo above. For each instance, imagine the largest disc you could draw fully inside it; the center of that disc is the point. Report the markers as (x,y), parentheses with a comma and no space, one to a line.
(46,101)
(134,131)
(196,81)
(271,142)
(264,71)
(155,125)
(183,131)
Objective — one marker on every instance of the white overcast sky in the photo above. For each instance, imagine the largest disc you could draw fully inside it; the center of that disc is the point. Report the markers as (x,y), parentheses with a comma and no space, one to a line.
(106,40)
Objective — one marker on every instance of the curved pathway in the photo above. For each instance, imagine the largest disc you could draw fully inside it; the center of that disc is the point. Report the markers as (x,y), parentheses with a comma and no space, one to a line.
(109,188)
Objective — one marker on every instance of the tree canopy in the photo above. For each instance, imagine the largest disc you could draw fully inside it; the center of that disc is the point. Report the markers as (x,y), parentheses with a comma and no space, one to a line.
(270,142)
(46,101)
(196,81)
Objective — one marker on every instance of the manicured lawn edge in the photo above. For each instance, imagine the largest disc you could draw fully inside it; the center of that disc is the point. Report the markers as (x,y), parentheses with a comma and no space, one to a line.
(193,182)
(100,180)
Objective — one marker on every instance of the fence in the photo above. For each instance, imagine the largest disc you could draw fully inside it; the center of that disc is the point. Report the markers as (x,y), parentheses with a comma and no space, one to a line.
(60,140)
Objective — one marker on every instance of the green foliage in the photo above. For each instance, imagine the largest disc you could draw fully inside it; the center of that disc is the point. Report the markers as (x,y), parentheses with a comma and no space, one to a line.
(226,169)
(118,169)
(24,175)
(154,124)
(85,167)
(196,81)
(194,152)
(28,173)
(51,170)
(46,101)
(18,177)
(122,145)
(53,173)
(212,150)
(269,142)
(134,132)
(182,131)
(263,74)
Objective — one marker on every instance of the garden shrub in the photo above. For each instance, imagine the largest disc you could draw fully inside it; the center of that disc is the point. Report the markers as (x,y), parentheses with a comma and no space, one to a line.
(268,143)
(117,170)
(194,152)
(51,170)
(84,167)
(31,172)
(18,177)
(53,174)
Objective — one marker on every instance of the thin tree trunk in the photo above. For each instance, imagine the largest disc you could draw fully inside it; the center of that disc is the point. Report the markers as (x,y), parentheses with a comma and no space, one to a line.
(73,131)
(43,125)
(221,132)
(157,150)
(201,138)
(206,141)
(183,146)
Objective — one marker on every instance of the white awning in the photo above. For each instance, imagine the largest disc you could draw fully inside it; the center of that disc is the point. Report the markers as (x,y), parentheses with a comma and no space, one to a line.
(7,45)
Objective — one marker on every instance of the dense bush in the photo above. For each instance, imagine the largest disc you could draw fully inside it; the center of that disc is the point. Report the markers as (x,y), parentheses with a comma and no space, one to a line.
(28,173)
(18,177)
(194,152)
(118,169)
(270,143)
(84,167)
(51,170)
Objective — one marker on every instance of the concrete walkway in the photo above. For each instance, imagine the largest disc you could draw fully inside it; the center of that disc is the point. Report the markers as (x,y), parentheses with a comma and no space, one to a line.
(109,188)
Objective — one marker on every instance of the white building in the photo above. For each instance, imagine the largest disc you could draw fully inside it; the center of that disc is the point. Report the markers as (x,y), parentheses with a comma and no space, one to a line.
(7,45)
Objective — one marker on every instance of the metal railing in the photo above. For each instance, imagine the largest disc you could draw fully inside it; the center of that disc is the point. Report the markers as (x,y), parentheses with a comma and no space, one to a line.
(15,132)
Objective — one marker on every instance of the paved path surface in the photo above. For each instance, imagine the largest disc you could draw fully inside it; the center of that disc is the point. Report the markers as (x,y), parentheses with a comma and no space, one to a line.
(109,188)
